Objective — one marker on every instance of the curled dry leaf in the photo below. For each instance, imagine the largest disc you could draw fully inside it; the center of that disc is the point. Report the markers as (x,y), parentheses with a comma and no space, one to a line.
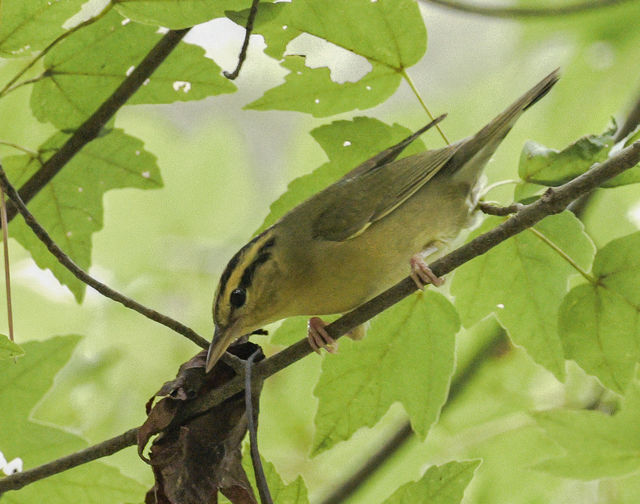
(194,461)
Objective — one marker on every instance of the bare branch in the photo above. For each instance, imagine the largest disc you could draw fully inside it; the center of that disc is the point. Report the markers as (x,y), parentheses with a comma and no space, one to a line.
(90,129)
(83,276)
(245,44)
(525,12)
(109,447)
(552,202)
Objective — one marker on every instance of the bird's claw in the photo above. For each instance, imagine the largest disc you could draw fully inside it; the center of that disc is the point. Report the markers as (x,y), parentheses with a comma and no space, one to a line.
(422,275)
(318,336)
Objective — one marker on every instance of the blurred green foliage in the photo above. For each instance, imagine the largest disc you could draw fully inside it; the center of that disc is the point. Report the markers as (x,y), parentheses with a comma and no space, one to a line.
(225,158)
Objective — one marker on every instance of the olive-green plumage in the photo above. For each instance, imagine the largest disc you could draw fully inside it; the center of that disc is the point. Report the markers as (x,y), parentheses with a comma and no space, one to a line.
(353,240)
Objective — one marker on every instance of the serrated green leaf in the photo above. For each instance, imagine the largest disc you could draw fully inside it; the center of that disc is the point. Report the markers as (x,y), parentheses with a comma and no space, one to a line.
(523,281)
(292,493)
(31,25)
(9,349)
(176,14)
(311,90)
(81,72)
(597,445)
(407,356)
(347,143)
(390,32)
(551,167)
(599,323)
(22,386)
(70,206)
(443,484)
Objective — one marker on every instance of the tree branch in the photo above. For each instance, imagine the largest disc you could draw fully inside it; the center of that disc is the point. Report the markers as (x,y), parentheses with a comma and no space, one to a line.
(83,276)
(104,449)
(525,12)
(551,202)
(90,129)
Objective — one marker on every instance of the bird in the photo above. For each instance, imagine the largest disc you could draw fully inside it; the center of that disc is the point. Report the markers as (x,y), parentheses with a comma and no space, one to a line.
(352,240)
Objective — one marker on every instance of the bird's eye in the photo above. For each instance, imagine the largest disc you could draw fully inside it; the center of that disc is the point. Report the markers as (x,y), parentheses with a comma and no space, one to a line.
(238,297)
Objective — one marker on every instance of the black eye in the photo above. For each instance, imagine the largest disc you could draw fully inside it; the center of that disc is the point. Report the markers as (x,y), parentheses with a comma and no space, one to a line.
(238,297)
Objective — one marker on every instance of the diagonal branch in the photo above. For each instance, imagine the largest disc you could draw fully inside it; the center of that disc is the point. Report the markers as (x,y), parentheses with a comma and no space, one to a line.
(90,129)
(83,276)
(551,202)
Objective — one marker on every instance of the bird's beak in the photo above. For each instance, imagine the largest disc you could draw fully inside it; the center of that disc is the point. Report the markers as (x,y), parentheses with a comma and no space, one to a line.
(222,338)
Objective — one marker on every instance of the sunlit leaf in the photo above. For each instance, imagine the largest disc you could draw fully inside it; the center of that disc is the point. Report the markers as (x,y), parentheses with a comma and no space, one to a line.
(541,165)
(443,484)
(9,349)
(311,90)
(390,32)
(177,14)
(81,72)
(70,206)
(599,323)
(523,281)
(292,493)
(411,343)
(31,25)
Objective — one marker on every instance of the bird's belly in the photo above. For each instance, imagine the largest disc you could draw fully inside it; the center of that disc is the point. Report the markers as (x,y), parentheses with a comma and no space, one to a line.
(343,275)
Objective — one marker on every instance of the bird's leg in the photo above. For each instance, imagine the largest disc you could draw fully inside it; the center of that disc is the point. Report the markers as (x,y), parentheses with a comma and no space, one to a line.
(422,274)
(319,337)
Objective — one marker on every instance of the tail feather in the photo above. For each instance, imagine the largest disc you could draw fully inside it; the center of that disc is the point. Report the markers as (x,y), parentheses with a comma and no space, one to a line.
(475,151)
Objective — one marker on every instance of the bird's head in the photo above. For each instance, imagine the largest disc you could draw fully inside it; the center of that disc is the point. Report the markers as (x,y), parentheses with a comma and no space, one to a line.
(247,294)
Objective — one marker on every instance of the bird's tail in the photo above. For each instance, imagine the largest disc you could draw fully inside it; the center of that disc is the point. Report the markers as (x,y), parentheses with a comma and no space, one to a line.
(475,151)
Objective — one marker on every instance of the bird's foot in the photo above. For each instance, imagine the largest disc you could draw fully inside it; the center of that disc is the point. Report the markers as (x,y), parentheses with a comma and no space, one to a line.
(318,336)
(422,274)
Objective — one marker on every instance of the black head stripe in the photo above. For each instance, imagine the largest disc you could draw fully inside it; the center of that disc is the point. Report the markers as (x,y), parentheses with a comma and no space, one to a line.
(262,256)
(247,276)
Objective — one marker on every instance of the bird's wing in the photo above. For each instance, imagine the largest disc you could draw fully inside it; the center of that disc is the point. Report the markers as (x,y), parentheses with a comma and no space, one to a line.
(390,153)
(353,204)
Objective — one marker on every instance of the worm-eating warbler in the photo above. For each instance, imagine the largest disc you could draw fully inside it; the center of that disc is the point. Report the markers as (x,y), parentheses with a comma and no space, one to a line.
(351,241)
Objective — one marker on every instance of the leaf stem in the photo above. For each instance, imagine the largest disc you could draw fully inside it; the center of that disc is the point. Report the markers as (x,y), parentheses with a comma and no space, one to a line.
(7,274)
(26,150)
(564,255)
(406,77)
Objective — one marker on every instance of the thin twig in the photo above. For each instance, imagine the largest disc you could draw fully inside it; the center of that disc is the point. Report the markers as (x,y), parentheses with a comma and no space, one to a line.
(405,433)
(90,129)
(245,43)
(525,12)
(552,202)
(252,426)
(501,211)
(83,276)
(7,274)
(417,94)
